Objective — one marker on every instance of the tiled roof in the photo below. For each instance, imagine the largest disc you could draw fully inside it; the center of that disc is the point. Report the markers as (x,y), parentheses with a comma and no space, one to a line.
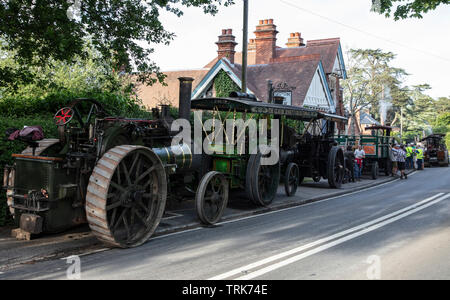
(365,118)
(327,49)
(298,74)
(157,94)
(251,58)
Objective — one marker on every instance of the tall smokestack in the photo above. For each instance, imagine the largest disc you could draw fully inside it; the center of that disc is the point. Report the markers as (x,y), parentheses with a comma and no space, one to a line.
(184,106)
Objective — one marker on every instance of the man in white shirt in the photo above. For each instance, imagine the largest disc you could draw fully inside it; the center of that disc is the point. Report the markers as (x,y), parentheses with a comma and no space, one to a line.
(359,157)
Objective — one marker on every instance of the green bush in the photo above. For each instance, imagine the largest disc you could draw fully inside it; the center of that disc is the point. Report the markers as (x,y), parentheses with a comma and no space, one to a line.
(115,104)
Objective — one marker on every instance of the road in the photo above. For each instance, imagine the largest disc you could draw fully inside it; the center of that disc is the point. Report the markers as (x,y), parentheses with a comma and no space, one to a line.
(399,230)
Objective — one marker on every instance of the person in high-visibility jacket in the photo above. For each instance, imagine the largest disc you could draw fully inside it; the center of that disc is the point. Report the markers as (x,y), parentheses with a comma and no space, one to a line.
(409,157)
(419,153)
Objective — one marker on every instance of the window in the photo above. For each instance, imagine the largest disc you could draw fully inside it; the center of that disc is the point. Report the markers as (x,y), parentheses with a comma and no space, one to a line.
(286,95)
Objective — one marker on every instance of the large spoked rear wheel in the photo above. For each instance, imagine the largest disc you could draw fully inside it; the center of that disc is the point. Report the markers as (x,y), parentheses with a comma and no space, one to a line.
(212,197)
(335,167)
(291,179)
(264,181)
(126,196)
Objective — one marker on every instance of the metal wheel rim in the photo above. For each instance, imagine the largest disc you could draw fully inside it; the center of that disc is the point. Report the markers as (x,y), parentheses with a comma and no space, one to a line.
(335,167)
(292,179)
(125,209)
(212,197)
(265,182)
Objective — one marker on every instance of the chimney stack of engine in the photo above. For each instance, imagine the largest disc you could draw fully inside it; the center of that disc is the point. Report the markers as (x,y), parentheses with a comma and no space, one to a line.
(184,107)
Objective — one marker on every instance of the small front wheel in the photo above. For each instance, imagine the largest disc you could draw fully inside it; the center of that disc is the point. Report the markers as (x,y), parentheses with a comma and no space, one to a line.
(291,179)
(212,197)
(375,170)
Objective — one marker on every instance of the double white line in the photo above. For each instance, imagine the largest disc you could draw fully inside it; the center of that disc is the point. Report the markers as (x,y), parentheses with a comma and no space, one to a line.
(272,263)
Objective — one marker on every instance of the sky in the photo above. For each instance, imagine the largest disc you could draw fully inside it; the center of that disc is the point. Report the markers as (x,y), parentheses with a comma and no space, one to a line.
(422,46)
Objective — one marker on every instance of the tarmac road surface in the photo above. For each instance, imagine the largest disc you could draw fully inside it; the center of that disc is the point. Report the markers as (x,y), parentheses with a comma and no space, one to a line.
(399,230)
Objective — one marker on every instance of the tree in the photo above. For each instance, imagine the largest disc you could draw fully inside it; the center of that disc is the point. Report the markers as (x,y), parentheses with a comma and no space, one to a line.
(39,31)
(442,105)
(370,78)
(411,9)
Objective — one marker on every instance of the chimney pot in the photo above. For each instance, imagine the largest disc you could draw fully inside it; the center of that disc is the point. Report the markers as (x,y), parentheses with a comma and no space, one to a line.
(226,45)
(295,40)
(265,42)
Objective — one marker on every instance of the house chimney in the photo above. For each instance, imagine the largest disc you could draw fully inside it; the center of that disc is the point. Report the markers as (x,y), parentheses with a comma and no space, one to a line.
(227,44)
(295,40)
(266,38)
(252,45)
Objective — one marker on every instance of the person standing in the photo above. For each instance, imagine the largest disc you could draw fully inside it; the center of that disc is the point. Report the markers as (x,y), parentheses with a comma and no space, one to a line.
(394,153)
(409,157)
(359,159)
(419,153)
(401,161)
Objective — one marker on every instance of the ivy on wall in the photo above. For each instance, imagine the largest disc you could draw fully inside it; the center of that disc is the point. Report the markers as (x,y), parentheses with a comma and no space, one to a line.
(224,85)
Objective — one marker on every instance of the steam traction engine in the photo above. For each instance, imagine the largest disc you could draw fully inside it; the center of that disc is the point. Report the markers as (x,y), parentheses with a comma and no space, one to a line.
(436,152)
(111,172)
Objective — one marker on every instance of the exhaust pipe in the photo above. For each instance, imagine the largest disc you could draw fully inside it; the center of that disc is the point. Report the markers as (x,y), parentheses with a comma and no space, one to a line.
(184,107)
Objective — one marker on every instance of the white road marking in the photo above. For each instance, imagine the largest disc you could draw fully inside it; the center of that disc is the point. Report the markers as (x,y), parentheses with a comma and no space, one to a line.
(88,253)
(344,236)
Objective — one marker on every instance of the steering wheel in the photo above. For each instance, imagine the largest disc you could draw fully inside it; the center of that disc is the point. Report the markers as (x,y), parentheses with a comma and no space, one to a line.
(65,115)
(77,110)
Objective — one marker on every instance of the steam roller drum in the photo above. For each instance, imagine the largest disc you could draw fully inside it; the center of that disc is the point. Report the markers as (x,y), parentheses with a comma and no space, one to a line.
(126,196)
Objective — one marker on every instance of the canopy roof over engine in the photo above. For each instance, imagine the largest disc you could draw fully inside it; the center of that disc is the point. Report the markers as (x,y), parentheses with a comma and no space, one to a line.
(258,107)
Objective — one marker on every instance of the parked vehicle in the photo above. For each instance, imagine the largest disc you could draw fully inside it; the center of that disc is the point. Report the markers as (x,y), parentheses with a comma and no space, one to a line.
(113,173)
(436,152)
(376,147)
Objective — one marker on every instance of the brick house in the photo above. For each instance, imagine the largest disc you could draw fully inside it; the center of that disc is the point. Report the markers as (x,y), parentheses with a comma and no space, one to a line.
(308,73)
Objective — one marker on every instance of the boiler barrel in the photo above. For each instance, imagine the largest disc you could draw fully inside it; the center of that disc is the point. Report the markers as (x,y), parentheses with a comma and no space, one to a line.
(179,155)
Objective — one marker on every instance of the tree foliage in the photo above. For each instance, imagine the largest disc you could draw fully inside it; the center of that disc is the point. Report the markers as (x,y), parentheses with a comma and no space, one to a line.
(39,31)
(224,85)
(401,10)
(373,84)
(370,77)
